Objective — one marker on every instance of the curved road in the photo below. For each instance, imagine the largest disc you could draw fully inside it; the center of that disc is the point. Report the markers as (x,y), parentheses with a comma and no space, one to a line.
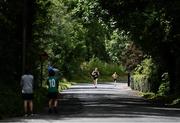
(107,103)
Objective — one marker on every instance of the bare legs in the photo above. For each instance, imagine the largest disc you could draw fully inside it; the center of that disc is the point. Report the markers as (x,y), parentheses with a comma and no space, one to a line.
(95,82)
(114,82)
(28,106)
(25,106)
(53,105)
(31,106)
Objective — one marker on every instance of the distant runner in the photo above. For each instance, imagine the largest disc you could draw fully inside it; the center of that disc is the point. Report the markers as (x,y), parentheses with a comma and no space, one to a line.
(115,76)
(95,75)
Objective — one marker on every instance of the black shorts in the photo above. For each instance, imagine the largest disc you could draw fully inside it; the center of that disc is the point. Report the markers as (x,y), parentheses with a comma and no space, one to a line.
(53,95)
(26,96)
(94,77)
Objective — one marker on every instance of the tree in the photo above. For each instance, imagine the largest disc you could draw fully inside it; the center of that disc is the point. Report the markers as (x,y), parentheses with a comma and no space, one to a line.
(152,25)
(74,34)
(11,29)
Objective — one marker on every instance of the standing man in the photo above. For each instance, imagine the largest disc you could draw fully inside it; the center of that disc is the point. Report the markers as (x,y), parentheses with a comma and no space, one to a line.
(95,75)
(27,82)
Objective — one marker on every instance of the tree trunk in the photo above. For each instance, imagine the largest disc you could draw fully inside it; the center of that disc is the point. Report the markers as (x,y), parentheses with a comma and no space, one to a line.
(174,75)
(27,18)
(177,76)
(24,35)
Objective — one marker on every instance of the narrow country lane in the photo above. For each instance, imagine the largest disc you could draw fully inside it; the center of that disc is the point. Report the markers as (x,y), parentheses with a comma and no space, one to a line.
(107,103)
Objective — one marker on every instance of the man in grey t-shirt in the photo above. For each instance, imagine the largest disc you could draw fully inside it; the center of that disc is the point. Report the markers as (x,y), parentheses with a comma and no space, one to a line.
(27,92)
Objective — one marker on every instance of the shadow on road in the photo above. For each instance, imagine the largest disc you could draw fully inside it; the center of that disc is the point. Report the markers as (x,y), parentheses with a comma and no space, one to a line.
(101,106)
(104,105)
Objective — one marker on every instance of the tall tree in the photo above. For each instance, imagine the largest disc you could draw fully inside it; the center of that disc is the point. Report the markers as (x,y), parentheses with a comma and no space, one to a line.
(154,26)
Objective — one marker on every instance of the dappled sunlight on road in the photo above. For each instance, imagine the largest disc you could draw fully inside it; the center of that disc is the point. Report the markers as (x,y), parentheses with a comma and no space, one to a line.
(106,103)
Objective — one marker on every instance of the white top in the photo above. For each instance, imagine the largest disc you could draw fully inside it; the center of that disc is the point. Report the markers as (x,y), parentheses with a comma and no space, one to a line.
(27,83)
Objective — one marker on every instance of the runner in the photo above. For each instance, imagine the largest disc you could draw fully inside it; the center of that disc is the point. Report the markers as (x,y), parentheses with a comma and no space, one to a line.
(115,76)
(95,75)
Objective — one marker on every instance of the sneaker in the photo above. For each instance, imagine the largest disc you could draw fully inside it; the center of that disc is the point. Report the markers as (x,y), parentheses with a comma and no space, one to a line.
(31,115)
(26,115)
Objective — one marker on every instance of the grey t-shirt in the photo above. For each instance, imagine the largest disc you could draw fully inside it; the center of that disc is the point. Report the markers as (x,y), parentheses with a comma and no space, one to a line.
(27,83)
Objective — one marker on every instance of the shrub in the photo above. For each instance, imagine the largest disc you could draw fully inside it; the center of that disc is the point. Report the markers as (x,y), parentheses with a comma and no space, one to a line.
(11,103)
(141,83)
(145,76)
(105,69)
(176,102)
(164,87)
(40,99)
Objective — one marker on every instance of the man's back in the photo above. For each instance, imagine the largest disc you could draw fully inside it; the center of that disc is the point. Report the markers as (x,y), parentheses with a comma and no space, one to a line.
(27,83)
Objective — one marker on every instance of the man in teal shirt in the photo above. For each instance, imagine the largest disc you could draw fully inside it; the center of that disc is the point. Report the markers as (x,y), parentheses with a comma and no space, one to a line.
(53,92)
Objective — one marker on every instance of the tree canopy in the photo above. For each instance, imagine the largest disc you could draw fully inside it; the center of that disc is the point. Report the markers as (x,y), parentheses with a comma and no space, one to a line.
(74,31)
(153,25)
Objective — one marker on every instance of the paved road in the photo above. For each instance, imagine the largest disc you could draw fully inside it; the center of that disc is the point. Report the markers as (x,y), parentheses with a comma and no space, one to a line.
(85,104)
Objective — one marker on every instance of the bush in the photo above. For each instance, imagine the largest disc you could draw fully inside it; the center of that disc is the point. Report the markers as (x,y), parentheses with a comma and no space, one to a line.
(40,99)
(145,77)
(141,83)
(11,103)
(164,87)
(176,102)
(105,69)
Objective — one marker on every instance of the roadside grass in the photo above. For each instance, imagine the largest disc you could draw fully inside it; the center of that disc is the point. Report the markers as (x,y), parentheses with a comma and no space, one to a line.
(12,103)
(170,100)
(64,84)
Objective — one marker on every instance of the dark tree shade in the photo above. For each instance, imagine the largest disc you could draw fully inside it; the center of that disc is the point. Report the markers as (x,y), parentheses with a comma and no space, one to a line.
(154,25)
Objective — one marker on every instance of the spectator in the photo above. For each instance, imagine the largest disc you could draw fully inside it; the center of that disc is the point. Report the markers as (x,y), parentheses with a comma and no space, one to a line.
(27,82)
(53,92)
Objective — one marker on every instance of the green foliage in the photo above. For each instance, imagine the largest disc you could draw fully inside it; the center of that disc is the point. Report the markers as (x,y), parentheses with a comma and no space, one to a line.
(164,88)
(146,67)
(145,76)
(123,51)
(70,38)
(148,95)
(176,102)
(115,46)
(105,69)
(64,85)
(140,82)
(154,26)
(11,103)
(40,99)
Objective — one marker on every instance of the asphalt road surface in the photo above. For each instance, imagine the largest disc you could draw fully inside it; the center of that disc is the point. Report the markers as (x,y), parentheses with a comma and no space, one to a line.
(107,103)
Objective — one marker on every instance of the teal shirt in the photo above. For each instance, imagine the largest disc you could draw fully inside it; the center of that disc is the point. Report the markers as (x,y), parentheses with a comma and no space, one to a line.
(52,84)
